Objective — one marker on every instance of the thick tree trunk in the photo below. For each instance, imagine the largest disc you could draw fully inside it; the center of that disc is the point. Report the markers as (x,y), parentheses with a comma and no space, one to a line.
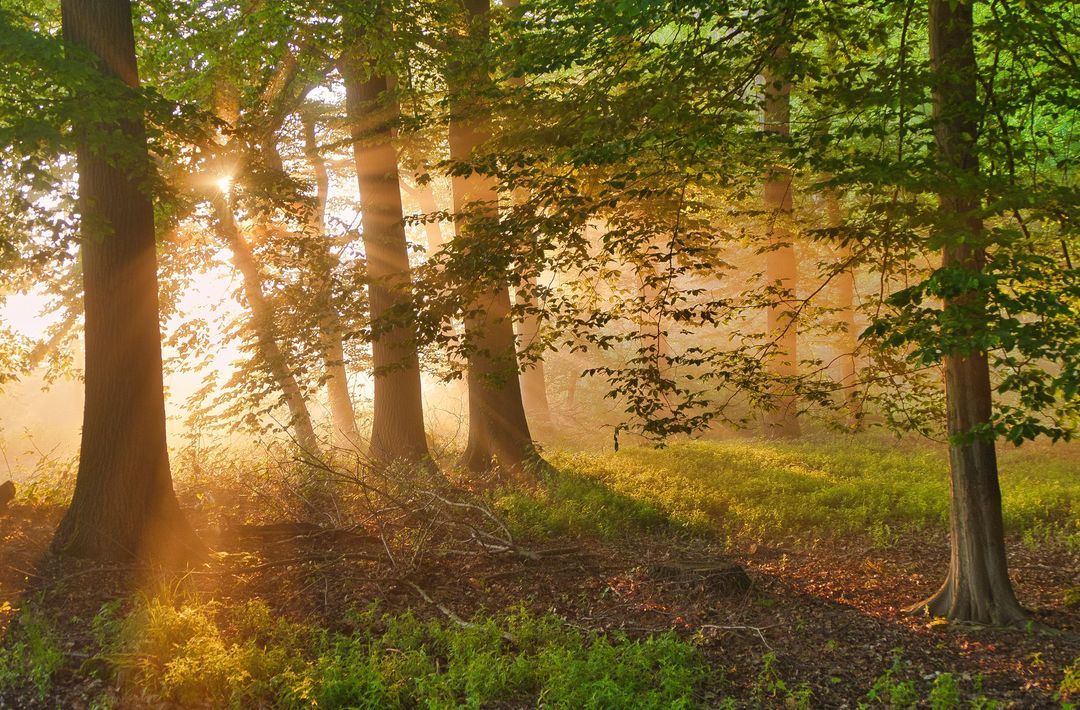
(848,340)
(336,376)
(977,587)
(498,430)
(397,430)
(262,324)
(124,506)
(781,267)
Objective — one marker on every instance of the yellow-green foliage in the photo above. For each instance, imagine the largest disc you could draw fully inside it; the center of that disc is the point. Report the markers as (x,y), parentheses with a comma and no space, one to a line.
(765,489)
(1069,688)
(203,652)
(208,654)
(31,654)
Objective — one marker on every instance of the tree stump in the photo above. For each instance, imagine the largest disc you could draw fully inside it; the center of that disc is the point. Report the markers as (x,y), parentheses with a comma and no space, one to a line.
(722,575)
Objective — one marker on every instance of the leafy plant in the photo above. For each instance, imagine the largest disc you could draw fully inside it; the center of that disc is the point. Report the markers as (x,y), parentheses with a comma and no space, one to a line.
(35,655)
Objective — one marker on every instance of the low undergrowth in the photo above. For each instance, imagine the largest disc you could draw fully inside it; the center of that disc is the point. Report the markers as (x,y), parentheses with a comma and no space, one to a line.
(31,653)
(760,490)
(205,653)
(161,650)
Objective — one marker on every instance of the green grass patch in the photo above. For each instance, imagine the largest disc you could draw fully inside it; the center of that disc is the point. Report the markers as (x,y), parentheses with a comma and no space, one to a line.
(835,486)
(244,656)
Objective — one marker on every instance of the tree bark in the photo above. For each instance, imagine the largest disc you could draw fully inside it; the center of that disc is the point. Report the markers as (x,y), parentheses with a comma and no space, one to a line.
(781,267)
(977,588)
(336,376)
(262,323)
(498,430)
(123,507)
(848,340)
(397,430)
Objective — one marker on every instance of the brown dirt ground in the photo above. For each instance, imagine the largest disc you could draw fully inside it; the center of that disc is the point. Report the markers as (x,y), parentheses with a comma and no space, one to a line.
(830,611)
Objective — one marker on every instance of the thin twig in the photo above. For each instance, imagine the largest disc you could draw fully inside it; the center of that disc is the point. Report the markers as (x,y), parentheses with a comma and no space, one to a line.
(755,629)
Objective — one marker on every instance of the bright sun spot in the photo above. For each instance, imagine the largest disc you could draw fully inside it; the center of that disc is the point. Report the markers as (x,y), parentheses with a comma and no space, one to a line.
(224,183)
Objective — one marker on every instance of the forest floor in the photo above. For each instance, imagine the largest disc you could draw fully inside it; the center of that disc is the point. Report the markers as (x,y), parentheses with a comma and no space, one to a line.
(621,594)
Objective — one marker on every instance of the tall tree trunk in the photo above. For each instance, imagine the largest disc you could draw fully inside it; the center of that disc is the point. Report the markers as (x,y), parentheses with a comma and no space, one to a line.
(848,340)
(124,506)
(397,430)
(977,587)
(262,323)
(498,430)
(336,376)
(781,268)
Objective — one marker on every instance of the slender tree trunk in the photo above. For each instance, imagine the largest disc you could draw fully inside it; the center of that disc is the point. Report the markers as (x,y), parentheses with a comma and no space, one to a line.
(397,430)
(227,109)
(124,506)
(336,376)
(424,195)
(781,267)
(848,340)
(262,324)
(533,380)
(977,587)
(498,430)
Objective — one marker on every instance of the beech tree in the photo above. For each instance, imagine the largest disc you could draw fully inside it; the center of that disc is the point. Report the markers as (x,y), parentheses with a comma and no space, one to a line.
(124,506)
(336,375)
(397,430)
(498,430)
(977,587)
(781,265)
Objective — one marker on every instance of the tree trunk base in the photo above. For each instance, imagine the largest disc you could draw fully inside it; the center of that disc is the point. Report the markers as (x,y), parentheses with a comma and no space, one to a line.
(524,469)
(967,606)
(164,540)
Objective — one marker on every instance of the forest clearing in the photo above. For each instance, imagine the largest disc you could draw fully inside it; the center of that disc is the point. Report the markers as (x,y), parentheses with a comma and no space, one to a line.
(539,353)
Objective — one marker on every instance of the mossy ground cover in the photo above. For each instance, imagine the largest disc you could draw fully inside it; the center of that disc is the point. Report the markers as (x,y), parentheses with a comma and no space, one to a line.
(836,537)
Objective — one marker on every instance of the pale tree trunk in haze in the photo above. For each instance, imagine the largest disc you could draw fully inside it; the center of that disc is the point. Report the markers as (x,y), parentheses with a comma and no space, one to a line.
(336,376)
(977,587)
(533,379)
(848,338)
(397,430)
(498,430)
(781,267)
(424,196)
(123,506)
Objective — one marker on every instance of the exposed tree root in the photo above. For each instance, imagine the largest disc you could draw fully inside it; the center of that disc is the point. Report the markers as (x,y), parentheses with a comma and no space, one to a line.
(966,606)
